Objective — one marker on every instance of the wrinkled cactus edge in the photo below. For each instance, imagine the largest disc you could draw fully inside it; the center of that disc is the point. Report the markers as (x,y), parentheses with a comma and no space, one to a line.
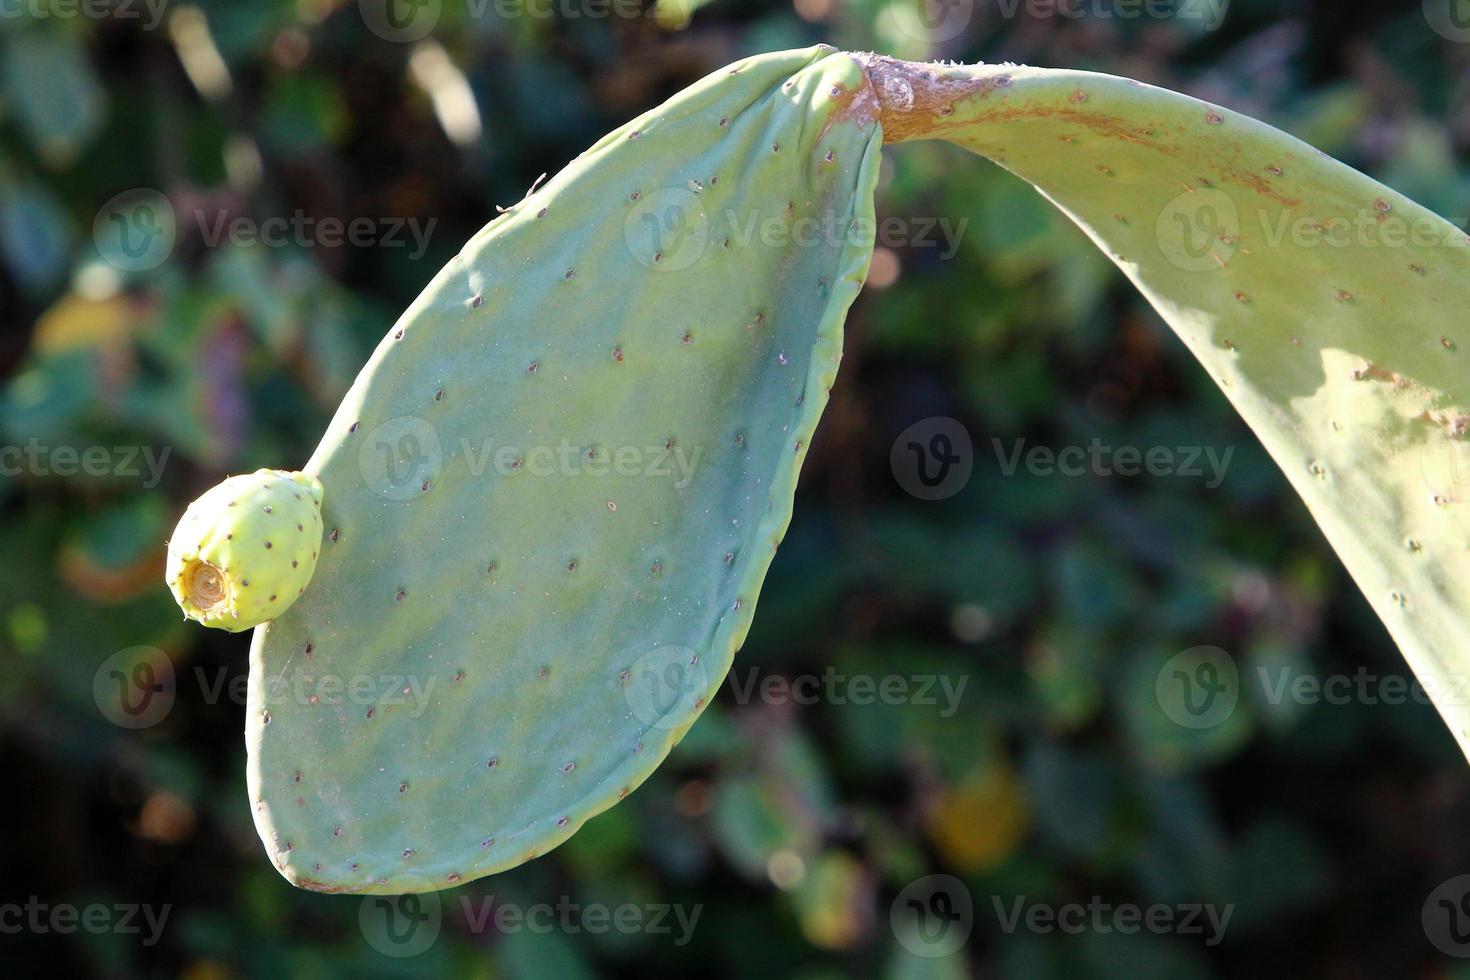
(1345,361)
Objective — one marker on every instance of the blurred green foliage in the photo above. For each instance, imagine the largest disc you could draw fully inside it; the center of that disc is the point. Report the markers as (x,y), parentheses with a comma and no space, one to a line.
(791,827)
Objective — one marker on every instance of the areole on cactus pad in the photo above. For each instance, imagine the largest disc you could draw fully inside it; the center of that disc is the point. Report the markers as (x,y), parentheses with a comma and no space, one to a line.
(553,493)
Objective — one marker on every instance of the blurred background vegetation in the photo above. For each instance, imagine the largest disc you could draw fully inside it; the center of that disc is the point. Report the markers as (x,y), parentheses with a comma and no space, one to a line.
(792,826)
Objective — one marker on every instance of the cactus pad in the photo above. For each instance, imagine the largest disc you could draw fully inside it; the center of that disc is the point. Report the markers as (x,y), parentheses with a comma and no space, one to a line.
(1326,306)
(553,492)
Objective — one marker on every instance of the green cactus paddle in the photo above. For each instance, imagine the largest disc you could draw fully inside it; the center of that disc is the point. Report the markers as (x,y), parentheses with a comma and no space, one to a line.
(553,493)
(1327,307)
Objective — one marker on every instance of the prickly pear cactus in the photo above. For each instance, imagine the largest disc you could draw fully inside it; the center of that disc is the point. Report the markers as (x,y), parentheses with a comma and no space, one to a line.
(552,494)
(1328,308)
(245,551)
(554,491)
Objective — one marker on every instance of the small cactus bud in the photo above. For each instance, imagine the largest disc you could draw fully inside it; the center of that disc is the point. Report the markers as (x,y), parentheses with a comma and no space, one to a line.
(245,550)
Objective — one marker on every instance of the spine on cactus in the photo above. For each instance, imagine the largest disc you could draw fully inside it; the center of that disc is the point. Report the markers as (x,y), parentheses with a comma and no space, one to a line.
(548,502)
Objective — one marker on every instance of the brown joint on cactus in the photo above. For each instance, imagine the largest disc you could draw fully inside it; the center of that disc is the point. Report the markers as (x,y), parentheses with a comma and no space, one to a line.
(910,100)
(204,586)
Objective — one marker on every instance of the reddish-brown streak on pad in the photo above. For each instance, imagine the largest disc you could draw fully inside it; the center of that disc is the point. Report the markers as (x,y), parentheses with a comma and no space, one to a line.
(915,101)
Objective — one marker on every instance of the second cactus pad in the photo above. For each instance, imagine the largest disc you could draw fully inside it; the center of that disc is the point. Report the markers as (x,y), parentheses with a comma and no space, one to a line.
(555,489)
(1327,307)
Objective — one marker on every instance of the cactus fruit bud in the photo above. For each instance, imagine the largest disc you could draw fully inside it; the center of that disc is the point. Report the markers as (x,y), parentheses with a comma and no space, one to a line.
(245,550)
